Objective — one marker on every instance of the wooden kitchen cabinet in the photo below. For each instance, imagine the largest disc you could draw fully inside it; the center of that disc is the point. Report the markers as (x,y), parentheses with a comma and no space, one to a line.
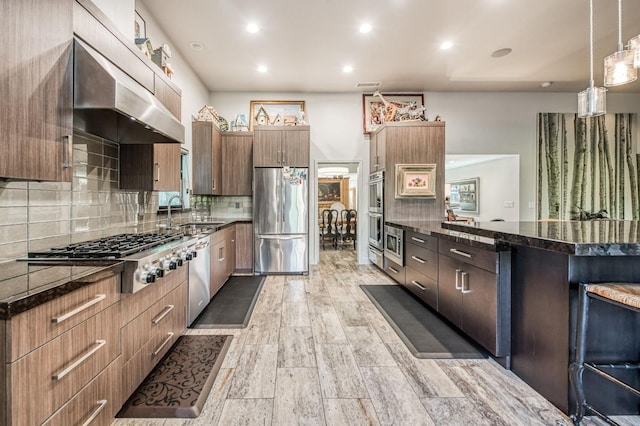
(276,146)
(237,163)
(377,143)
(421,266)
(207,158)
(244,249)
(474,293)
(223,254)
(36,90)
(150,167)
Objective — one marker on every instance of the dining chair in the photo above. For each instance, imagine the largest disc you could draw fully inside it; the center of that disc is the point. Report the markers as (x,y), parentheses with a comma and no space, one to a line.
(328,227)
(347,228)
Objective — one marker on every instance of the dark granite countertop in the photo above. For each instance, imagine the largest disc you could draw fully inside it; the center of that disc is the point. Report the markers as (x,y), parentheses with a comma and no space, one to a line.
(435,228)
(25,285)
(580,238)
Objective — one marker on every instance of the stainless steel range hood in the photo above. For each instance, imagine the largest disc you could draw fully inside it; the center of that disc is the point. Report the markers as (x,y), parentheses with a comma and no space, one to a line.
(110,104)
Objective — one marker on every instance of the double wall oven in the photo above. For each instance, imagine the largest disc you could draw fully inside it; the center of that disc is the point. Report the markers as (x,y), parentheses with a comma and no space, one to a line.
(376,218)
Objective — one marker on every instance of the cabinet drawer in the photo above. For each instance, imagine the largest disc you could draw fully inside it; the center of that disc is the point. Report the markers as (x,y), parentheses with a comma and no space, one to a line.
(35,327)
(421,240)
(422,260)
(97,403)
(422,286)
(53,373)
(395,271)
(484,259)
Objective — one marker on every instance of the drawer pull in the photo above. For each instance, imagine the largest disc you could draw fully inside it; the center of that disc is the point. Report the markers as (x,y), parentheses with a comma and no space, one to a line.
(392,269)
(167,340)
(458,285)
(90,303)
(417,259)
(101,404)
(465,283)
(461,253)
(98,345)
(420,240)
(416,283)
(163,314)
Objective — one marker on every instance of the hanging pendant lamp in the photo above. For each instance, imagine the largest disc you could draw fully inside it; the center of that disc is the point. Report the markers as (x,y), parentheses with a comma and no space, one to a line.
(634,45)
(593,100)
(618,67)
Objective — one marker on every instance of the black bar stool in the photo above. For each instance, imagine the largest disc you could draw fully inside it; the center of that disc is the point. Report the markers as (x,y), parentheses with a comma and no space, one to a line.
(623,295)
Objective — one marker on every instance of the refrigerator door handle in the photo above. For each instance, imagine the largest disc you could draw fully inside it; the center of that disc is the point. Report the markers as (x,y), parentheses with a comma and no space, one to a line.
(279,237)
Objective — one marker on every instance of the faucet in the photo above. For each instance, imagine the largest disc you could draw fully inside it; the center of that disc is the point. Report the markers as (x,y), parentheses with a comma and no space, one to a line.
(169,218)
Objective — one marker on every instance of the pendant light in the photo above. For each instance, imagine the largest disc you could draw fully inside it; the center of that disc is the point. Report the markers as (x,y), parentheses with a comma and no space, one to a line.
(591,101)
(634,44)
(618,67)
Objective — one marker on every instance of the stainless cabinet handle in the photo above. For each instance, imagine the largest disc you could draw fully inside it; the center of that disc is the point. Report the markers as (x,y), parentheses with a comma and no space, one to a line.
(220,254)
(278,157)
(101,404)
(458,285)
(284,159)
(213,184)
(461,253)
(163,314)
(418,240)
(157,166)
(417,259)
(167,340)
(392,269)
(99,344)
(416,283)
(465,283)
(67,151)
(97,299)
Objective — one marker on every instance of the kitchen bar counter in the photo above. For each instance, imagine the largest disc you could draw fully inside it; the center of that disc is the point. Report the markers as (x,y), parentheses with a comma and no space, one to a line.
(25,285)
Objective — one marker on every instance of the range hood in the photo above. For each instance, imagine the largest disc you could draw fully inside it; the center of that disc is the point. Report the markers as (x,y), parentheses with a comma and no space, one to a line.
(110,104)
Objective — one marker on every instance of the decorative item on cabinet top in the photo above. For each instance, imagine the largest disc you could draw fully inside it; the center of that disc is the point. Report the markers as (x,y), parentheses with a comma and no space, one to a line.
(391,107)
(415,181)
(208,113)
(276,113)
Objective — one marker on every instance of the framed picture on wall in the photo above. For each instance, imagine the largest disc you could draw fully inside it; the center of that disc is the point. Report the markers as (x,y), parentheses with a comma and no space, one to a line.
(275,113)
(464,195)
(373,108)
(415,181)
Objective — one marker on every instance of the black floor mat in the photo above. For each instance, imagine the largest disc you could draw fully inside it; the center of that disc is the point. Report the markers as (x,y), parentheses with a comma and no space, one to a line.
(424,333)
(232,306)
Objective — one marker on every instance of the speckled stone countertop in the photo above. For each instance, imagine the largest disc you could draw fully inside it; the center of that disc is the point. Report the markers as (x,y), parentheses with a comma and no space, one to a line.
(580,238)
(436,229)
(25,285)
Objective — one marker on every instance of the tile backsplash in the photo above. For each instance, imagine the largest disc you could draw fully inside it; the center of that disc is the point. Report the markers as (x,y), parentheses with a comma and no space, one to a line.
(40,215)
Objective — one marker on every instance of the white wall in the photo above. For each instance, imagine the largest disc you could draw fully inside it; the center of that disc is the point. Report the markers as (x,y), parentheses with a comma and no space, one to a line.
(499,183)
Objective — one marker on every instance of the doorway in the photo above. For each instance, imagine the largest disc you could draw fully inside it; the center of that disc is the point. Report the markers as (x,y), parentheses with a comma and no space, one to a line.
(337,190)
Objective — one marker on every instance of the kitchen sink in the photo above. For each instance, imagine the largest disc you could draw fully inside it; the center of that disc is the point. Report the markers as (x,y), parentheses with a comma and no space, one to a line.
(198,228)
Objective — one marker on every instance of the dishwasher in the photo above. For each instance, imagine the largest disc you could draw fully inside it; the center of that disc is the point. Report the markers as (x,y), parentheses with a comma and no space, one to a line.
(199,276)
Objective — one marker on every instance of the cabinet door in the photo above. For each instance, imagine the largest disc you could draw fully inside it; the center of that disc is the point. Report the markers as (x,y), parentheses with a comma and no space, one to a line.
(237,163)
(207,152)
(218,267)
(244,248)
(267,151)
(295,147)
(166,167)
(36,88)
(230,251)
(373,153)
(449,289)
(381,148)
(152,167)
(479,306)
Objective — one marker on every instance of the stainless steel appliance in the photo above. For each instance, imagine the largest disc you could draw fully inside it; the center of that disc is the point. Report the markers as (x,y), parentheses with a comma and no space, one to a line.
(393,246)
(376,231)
(146,257)
(376,218)
(199,276)
(281,220)
(376,192)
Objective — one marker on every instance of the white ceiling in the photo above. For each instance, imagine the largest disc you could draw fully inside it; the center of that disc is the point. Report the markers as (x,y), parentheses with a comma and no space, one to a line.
(306,43)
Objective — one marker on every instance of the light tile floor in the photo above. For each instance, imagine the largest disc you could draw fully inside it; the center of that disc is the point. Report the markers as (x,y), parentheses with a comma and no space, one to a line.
(317,352)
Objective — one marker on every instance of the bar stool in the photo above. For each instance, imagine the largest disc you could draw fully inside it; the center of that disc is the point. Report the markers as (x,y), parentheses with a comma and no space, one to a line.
(623,295)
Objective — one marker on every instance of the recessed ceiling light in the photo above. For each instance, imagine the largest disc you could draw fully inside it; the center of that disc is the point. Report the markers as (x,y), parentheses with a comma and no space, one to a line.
(501,52)
(347,68)
(446,45)
(253,27)
(546,83)
(262,68)
(196,46)
(365,28)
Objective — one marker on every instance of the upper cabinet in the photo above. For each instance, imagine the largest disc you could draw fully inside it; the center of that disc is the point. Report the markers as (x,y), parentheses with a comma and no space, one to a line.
(150,167)
(207,158)
(276,146)
(377,151)
(237,163)
(36,90)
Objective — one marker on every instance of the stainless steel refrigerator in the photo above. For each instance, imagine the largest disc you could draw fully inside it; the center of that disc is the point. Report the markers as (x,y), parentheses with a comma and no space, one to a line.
(281,220)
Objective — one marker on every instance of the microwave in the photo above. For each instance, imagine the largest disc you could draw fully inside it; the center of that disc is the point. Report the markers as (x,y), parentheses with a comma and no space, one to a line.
(393,243)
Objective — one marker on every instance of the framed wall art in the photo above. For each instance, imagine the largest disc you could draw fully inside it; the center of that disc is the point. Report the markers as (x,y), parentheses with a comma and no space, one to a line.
(139,27)
(373,107)
(463,196)
(332,191)
(276,113)
(415,181)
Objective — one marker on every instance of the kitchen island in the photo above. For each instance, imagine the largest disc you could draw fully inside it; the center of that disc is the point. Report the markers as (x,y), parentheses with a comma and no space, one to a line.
(549,260)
